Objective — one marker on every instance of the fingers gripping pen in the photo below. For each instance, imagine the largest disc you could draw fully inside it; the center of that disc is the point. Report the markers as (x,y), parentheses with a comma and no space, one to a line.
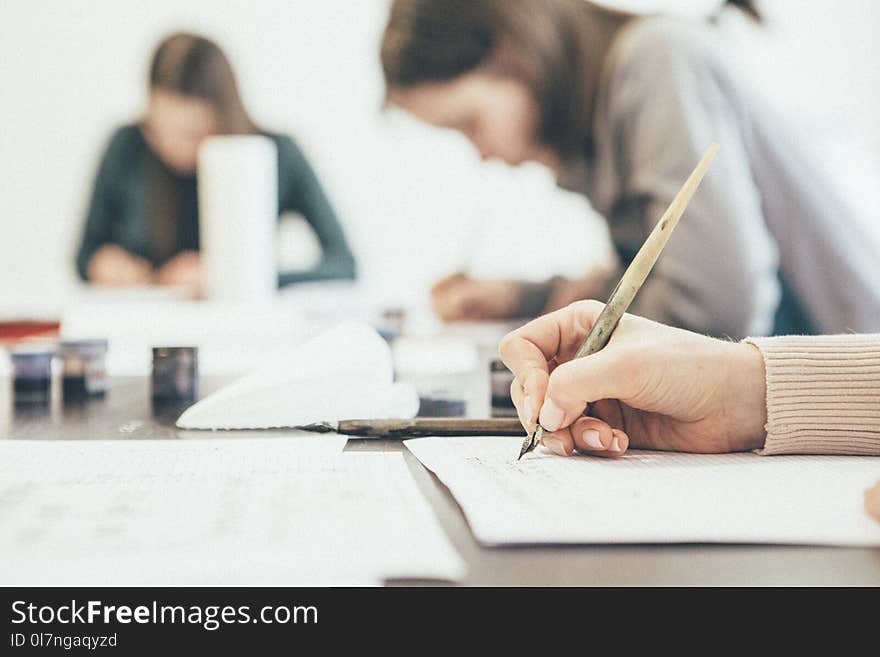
(634,277)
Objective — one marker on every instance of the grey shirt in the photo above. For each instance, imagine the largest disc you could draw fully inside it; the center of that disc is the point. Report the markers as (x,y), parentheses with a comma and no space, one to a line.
(767,244)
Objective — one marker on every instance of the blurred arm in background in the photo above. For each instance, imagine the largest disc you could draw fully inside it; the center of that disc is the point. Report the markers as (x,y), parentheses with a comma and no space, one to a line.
(301,192)
(100,259)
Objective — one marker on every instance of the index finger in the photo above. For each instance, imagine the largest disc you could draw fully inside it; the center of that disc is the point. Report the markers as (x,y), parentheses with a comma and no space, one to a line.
(556,335)
(528,350)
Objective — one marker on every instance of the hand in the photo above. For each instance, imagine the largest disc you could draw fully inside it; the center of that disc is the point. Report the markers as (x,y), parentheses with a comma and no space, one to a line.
(459,297)
(183,270)
(872,501)
(652,386)
(114,266)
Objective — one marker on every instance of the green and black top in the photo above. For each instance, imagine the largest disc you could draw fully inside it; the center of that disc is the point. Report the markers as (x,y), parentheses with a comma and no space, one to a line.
(125,210)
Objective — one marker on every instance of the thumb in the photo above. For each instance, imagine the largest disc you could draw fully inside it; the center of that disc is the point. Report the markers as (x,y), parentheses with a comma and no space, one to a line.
(574,385)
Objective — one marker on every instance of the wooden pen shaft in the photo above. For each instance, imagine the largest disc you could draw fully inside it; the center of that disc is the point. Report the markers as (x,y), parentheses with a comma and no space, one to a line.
(620,299)
(634,276)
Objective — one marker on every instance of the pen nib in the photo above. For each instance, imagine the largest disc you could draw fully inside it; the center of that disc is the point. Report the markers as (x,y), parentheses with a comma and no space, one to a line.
(529,443)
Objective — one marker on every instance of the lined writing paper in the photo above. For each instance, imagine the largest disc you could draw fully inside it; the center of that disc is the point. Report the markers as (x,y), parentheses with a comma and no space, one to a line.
(652,497)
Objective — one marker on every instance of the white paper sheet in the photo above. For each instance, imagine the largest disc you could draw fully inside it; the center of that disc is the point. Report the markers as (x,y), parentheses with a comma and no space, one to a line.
(653,497)
(285,511)
(345,373)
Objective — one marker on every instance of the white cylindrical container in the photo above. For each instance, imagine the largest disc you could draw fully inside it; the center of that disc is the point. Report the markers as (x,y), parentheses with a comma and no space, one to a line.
(238,217)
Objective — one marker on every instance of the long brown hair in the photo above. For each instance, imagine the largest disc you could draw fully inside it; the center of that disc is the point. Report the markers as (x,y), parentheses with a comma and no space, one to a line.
(556,47)
(189,65)
(192,65)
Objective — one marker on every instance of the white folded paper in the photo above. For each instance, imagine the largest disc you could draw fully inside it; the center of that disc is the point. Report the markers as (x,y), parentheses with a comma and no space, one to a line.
(345,373)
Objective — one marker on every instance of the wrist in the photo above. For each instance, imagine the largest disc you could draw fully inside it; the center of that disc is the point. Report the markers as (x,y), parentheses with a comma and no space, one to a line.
(748,396)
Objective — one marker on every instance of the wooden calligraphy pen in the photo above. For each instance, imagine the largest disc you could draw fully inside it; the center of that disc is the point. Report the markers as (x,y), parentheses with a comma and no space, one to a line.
(633,277)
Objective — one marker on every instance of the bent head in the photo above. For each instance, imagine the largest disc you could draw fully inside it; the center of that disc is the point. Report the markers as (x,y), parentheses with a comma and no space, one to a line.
(519,78)
(498,114)
(177,125)
(515,76)
(193,95)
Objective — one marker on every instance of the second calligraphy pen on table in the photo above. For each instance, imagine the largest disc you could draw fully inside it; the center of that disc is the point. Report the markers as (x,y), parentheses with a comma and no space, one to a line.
(633,277)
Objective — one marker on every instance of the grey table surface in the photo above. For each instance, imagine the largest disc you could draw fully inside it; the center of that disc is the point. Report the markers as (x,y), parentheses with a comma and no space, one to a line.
(126,413)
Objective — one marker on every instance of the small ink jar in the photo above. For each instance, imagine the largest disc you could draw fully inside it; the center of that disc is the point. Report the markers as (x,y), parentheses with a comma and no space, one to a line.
(175,375)
(32,374)
(501,379)
(84,369)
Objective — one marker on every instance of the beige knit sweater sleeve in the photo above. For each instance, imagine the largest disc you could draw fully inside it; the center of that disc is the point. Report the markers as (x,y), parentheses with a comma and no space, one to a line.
(823,394)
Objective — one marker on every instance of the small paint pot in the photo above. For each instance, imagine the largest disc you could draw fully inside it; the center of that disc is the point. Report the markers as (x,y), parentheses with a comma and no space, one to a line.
(84,368)
(32,374)
(175,376)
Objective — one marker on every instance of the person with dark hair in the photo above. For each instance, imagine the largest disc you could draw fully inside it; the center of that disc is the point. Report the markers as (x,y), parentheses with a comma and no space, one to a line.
(142,225)
(621,107)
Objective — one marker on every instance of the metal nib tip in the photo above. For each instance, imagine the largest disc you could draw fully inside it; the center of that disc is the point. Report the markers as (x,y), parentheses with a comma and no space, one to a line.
(531,441)
(527,446)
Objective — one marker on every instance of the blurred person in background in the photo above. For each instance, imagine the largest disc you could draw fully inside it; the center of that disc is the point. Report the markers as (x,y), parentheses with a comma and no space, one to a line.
(142,226)
(621,107)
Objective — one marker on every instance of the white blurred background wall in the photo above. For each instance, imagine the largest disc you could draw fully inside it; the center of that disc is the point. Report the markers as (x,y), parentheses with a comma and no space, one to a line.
(410,197)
